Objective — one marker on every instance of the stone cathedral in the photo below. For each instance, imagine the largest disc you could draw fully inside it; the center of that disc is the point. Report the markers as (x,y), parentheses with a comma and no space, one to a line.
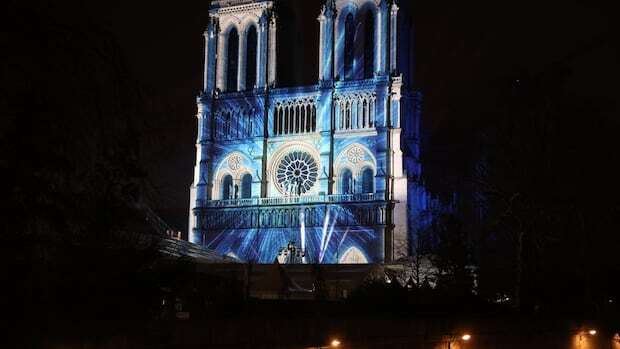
(333,167)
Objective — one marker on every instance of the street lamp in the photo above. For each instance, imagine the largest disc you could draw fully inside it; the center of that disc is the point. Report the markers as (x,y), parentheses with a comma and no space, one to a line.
(335,343)
(466,337)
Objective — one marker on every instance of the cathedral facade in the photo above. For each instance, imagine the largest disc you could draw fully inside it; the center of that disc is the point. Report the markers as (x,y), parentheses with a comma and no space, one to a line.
(332,167)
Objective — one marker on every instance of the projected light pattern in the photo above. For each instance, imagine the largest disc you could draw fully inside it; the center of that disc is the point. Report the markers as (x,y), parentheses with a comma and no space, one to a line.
(321,165)
(321,246)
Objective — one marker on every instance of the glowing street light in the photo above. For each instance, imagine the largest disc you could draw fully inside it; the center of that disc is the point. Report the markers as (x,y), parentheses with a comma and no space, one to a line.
(335,343)
(592,332)
(465,338)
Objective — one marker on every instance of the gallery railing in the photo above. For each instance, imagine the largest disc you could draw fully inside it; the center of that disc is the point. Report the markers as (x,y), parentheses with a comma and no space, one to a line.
(290,200)
(308,215)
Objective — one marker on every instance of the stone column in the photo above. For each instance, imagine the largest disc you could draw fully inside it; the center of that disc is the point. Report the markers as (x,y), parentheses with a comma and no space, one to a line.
(383,33)
(382,146)
(241,71)
(221,61)
(326,41)
(272,50)
(399,179)
(262,45)
(205,81)
(393,38)
(210,57)
(200,187)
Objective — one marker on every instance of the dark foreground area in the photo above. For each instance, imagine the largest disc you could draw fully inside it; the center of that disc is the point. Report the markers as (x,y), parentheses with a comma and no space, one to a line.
(313,325)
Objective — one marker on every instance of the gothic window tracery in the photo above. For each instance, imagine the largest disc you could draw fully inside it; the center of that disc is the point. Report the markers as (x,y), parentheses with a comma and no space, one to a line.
(358,29)
(234,125)
(353,256)
(296,116)
(355,112)
(355,170)
(297,173)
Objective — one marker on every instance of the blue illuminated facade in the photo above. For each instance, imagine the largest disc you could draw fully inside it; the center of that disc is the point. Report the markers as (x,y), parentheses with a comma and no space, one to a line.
(333,166)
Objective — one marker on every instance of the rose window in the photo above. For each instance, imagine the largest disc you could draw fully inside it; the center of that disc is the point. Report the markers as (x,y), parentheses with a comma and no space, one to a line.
(296,173)
(234,162)
(355,155)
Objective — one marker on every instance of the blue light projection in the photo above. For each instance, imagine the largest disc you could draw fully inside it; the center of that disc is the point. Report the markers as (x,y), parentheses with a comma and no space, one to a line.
(326,244)
(331,165)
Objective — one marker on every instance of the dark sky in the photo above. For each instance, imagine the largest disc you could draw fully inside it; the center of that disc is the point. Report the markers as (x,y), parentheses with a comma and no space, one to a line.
(461,48)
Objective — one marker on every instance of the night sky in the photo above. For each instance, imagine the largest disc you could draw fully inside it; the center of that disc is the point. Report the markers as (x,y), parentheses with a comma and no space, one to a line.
(462,48)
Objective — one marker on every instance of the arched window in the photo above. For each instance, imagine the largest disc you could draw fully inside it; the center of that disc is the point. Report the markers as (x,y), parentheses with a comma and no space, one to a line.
(227,187)
(227,125)
(353,256)
(297,123)
(346,182)
(233,60)
(246,186)
(368,181)
(365,114)
(349,46)
(308,113)
(250,125)
(313,118)
(280,121)
(276,121)
(286,114)
(250,77)
(347,117)
(369,45)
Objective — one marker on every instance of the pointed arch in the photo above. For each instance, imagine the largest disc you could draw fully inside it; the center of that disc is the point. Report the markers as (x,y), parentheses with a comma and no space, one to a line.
(346,181)
(227,187)
(353,256)
(246,186)
(232,70)
(368,25)
(368,181)
(349,46)
(251,60)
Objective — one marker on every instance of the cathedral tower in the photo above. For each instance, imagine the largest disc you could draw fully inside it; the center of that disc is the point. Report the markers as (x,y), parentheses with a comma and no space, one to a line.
(331,166)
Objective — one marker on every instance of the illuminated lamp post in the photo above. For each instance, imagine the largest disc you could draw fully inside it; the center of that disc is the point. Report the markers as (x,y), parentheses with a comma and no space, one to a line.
(586,333)
(466,337)
(335,343)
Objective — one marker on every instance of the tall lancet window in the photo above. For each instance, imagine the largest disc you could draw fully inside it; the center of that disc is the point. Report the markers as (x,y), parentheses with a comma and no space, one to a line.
(233,60)
(227,187)
(346,182)
(368,181)
(369,45)
(250,77)
(246,186)
(349,46)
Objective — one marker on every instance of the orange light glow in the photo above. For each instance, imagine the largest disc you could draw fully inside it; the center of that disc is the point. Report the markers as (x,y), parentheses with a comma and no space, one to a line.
(466,337)
(335,343)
